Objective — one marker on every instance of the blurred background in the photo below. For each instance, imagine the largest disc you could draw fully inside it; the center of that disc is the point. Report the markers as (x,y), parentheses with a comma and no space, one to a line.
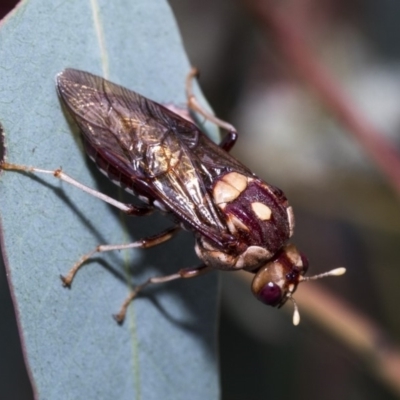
(303,81)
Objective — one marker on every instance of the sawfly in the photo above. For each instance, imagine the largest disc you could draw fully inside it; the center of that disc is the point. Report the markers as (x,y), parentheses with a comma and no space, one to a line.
(239,221)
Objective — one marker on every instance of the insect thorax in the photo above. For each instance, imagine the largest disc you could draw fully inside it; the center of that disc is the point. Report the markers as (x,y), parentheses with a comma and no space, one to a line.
(251,258)
(257,215)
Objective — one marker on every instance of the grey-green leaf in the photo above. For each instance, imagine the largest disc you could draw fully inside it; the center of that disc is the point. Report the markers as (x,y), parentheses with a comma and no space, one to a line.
(166,348)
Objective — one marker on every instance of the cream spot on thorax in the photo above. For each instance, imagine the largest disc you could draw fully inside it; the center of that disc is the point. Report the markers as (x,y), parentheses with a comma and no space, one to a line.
(229,188)
(261,210)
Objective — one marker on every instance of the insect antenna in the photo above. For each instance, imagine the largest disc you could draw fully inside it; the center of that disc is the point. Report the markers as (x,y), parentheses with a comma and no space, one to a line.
(296,314)
(333,272)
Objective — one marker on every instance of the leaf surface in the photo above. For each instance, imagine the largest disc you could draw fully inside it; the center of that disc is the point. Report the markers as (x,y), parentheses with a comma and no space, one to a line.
(73,348)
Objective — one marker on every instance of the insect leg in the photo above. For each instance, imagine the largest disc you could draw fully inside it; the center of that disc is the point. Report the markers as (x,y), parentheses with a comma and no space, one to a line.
(183,273)
(129,209)
(142,244)
(230,139)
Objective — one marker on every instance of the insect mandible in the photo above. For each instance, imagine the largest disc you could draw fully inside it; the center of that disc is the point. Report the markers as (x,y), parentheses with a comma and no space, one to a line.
(239,221)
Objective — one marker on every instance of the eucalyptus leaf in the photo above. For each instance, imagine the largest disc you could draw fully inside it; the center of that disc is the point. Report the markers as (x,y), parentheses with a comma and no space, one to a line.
(166,349)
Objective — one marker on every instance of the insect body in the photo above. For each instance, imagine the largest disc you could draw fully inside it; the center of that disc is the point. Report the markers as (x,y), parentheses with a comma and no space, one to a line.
(239,221)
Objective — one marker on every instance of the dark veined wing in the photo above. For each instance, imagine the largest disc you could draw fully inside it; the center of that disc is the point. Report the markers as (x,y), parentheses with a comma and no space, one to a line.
(161,152)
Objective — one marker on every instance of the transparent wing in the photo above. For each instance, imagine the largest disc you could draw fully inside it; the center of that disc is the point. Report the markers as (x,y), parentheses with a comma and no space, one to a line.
(152,146)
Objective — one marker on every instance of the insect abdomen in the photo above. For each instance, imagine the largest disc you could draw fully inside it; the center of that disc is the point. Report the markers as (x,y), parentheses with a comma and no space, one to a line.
(110,166)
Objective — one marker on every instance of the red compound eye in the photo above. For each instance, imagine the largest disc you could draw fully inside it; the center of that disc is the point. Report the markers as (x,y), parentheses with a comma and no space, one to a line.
(270,294)
(305,262)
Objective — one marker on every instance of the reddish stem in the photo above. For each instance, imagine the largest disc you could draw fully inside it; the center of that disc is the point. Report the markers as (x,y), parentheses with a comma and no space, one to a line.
(290,43)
